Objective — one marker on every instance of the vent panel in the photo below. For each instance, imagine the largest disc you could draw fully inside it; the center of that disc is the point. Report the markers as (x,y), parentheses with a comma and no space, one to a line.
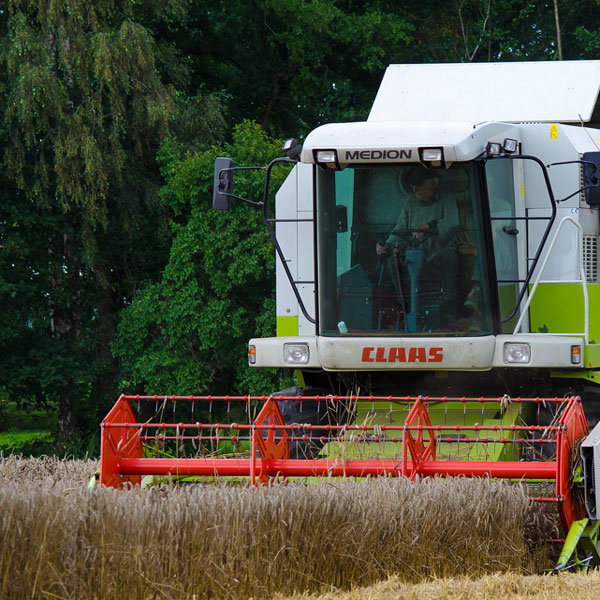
(590,258)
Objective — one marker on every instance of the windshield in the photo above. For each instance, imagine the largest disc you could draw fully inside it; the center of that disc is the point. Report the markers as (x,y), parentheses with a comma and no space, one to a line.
(401,251)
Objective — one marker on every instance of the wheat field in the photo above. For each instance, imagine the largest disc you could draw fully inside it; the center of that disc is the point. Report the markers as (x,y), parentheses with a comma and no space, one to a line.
(61,540)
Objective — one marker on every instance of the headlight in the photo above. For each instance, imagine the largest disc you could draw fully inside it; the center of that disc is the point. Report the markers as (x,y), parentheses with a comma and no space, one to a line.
(296,354)
(517,353)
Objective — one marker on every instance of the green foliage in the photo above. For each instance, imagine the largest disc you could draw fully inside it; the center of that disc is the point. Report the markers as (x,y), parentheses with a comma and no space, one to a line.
(188,332)
(293,65)
(85,103)
(26,429)
(91,91)
(13,442)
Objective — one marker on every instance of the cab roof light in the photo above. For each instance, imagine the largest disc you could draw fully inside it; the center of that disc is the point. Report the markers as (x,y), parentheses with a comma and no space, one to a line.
(510,146)
(430,154)
(493,148)
(432,157)
(292,148)
(326,158)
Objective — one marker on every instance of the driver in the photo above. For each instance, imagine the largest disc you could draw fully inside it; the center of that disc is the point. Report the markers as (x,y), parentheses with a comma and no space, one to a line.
(430,222)
(426,211)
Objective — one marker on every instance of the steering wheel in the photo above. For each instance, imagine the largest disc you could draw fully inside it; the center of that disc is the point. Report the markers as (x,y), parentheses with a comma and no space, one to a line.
(408,232)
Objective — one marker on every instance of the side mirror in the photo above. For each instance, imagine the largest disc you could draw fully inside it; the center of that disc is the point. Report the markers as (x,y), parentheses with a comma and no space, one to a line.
(222,183)
(591,177)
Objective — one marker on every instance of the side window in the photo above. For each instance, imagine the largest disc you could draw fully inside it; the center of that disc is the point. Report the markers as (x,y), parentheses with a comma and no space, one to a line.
(500,185)
(344,202)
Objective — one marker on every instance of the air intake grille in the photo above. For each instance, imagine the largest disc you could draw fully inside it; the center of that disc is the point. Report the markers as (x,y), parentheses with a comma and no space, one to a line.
(590,258)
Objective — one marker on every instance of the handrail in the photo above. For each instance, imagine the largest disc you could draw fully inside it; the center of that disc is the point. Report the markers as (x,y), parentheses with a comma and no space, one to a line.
(282,259)
(582,279)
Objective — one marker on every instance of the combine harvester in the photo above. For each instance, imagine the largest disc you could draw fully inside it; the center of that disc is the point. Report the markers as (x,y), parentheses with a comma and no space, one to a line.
(438,296)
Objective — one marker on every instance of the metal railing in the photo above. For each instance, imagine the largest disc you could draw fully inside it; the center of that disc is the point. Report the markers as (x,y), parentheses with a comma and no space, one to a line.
(582,279)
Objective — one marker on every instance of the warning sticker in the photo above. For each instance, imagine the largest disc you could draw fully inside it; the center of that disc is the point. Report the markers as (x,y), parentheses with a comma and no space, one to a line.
(553,131)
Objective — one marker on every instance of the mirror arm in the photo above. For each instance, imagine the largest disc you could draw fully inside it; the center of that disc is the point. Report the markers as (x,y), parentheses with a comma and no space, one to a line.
(594,183)
(572,162)
(251,202)
(231,170)
(587,187)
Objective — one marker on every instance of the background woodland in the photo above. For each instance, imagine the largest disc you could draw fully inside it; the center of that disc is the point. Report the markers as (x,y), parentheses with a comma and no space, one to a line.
(115,274)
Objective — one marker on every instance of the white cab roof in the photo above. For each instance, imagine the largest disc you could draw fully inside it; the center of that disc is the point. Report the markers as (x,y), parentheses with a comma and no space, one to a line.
(558,91)
(461,141)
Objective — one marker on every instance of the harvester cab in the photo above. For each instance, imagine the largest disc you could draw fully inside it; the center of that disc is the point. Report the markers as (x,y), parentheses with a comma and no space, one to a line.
(455,231)
(437,294)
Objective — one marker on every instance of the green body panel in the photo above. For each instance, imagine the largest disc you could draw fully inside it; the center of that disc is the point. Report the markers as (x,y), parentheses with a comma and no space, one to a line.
(586,375)
(583,537)
(591,356)
(466,447)
(287,326)
(558,308)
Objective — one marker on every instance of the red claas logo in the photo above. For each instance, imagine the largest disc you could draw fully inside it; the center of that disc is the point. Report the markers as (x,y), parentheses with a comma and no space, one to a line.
(402,355)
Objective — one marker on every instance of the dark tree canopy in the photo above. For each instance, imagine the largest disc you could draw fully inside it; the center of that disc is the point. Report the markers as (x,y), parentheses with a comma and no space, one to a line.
(113,270)
(85,106)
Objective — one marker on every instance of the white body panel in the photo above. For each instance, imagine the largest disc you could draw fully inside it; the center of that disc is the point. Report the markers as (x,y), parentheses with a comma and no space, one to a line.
(354,141)
(590,454)
(294,201)
(553,143)
(524,91)
(376,353)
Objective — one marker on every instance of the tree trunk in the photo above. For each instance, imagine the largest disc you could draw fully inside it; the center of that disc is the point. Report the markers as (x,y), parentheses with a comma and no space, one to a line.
(67,418)
(268,112)
(66,326)
(558,34)
(107,333)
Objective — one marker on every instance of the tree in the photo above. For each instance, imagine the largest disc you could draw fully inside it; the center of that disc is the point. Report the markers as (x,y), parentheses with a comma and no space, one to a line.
(84,108)
(291,65)
(549,30)
(188,333)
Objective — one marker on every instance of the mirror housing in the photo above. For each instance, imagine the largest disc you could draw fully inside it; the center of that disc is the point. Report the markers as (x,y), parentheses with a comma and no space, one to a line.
(222,183)
(591,177)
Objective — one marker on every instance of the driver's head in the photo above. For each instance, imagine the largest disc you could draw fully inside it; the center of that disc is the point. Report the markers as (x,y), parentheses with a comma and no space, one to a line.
(423,183)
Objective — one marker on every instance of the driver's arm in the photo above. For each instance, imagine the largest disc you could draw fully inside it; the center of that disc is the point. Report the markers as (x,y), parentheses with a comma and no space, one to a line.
(394,238)
(443,220)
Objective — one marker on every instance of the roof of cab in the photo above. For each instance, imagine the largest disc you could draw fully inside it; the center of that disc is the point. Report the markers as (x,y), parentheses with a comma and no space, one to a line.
(517,92)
